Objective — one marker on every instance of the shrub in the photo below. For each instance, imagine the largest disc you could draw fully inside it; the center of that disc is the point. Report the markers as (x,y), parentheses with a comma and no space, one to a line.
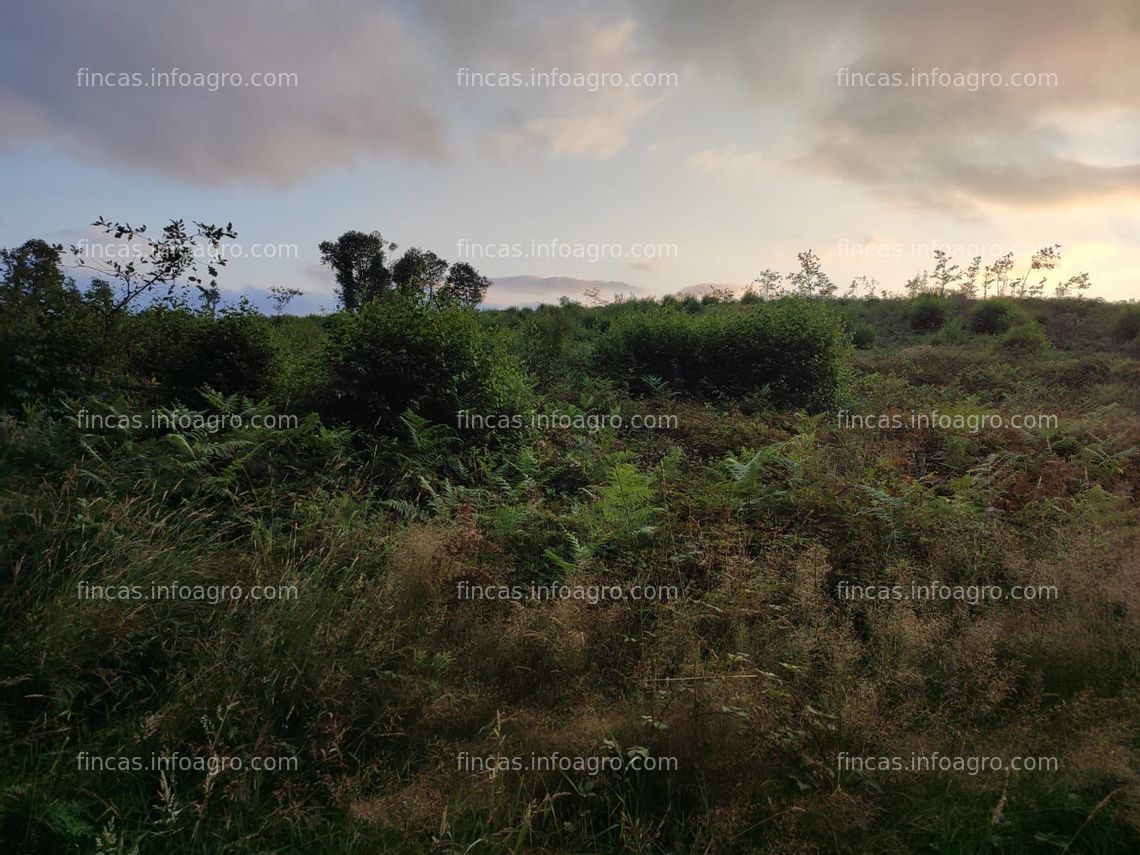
(1127,324)
(402,354)
(1027,337)
(50,338)
(951,332)
(554,342)
(231,354)
(863,337)
(927,312)
(793,347)
(691,304)
(993,316)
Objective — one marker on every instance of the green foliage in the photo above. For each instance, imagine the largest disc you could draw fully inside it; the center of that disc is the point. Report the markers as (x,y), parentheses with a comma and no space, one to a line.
(49,336)
(864,337)
(993,316)
(282,297)
(1126,327)
(378,675)
(232,355)
(623,511)
(184,352)
(794,347)
(163,268)
(418,272)
(464,286)
(360,263)
(928,312)
(951,332)
(555,342)
(1025,337)
(402,354)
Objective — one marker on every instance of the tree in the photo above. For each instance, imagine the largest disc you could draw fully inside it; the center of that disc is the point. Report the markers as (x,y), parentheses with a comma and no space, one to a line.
(359,261)
(419,273)
(169,261)
(31,268)
(1078,283)
(282,297)
(869,284)
(917,284)
(997,274)
(810,280)
(594,297)
(465,285)
(1045,258)
(945,274)
(46,342)
(968,287)
(769,281)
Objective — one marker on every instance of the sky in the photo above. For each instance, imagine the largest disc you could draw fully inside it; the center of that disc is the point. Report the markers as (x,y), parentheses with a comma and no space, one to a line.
(639,146)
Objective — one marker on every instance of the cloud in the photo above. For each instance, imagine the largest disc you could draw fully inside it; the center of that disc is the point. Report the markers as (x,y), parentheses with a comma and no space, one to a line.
(576,96)
(361,76)
(726,159)
(940,147)
(532,290)
(379,80)
(372,80)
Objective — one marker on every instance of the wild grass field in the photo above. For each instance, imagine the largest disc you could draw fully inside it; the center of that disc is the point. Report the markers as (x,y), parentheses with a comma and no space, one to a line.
(749,705)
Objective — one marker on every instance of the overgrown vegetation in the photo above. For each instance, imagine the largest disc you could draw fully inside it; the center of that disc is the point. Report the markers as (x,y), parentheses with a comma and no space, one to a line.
(378,501)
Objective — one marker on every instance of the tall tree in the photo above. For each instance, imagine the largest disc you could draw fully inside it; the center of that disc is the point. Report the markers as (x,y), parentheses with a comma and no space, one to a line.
(419,273)
(359,261)
(465,285)
(810,280)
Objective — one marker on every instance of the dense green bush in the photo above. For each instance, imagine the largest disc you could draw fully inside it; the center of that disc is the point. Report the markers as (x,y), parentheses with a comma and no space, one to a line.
(863,337)
(927,312)
(184,352)
(1127,324)
(235,355)
(951,332)
(50,337)
(691,304)
(402,354)
(1027,337)
(792,347)
(554,341)
(993,316)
